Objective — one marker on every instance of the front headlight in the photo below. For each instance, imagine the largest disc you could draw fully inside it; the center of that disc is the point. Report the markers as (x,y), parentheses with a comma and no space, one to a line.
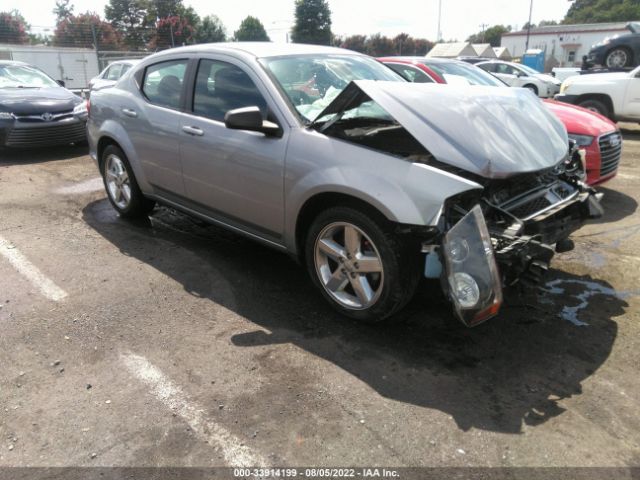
(565,85)
(582,140)
(472,277)
(80,109)
(6,116)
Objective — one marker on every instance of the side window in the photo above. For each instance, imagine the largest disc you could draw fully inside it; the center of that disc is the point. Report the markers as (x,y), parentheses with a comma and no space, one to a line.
(125,69)
(163,83)
(220,87)
(488,67)
(113,73)
(410,73)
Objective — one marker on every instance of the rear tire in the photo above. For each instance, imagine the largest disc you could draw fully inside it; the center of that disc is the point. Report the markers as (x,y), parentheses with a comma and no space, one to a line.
(619,57)
(596,106)
(121,185)
(361,267)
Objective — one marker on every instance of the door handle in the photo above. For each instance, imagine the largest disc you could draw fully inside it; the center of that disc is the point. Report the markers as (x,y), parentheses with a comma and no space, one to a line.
(198,132)
(130,113)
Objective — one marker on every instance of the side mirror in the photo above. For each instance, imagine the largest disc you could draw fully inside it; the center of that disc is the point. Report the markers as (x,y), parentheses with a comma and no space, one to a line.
(521,75)
(61,83)
(250,118)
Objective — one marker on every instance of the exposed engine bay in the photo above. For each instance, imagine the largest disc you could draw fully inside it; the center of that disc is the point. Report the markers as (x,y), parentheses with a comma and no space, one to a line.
(505,231)
(531,216)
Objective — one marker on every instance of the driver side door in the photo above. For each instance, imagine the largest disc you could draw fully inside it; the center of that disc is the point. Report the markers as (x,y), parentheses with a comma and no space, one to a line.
(233,176)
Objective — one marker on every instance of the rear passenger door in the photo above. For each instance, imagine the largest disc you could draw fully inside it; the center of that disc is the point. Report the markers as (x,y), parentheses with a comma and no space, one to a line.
(153,125)
(234,176)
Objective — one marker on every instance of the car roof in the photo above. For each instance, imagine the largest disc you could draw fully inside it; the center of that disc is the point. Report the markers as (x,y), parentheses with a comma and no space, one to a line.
(502,61)
(129,61)
(423,60)
(12,62)
(261,49)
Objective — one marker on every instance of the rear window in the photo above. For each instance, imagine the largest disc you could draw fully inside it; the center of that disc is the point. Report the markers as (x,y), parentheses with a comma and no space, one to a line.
(163,83)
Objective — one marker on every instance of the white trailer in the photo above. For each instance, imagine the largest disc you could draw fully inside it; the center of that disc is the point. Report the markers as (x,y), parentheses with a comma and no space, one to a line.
(74,66)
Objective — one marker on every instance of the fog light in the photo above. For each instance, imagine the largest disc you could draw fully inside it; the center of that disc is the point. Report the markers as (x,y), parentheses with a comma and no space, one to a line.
(465,289)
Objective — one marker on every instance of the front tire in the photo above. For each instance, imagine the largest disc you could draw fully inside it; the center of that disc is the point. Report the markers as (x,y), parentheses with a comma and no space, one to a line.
(596,106)
(121,185)
(533,88)
(360,266)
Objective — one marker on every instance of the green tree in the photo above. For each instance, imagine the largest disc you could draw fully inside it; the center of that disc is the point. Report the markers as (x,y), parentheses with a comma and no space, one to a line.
(77,31)
(380,46)
(130,18)
(357,43)
(210,30)
(597,11)
(491,35)
(251,30)
(64,9)
(39,39)
(158,9)
(13,28)
(312,22)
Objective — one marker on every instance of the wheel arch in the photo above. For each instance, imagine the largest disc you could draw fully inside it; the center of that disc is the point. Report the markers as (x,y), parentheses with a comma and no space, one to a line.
(600,97)
(112,133)
(322,201)
(103,143)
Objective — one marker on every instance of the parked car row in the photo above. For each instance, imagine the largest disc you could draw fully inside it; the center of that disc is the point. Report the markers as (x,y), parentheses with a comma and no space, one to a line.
(370,181)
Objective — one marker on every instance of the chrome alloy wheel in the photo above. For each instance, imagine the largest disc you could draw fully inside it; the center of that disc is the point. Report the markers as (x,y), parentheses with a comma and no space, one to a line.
(117,180)
(617,59)
(349,266)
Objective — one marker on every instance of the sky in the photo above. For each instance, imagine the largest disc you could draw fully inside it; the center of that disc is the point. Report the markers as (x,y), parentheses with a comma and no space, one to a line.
(419,18)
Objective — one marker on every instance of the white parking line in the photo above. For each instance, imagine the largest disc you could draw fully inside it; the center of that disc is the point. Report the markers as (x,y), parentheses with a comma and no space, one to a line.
(235,452)
(88,186)
(30,271)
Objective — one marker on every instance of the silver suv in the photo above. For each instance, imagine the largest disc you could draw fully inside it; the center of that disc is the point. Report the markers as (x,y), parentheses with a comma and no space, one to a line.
(370,181)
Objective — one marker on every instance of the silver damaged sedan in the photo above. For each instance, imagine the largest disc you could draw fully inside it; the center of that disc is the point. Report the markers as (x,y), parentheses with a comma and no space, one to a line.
(370,181)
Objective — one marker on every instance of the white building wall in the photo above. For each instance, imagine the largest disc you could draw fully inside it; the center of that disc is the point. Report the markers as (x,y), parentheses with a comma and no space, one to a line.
(561,49)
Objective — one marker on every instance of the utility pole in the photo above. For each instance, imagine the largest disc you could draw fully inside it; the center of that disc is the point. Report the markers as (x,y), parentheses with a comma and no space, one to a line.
(439,21)
(526,47)
(95,44)
(483,26)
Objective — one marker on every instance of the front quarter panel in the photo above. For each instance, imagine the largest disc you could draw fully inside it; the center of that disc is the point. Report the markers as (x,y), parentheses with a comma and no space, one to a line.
(404,192)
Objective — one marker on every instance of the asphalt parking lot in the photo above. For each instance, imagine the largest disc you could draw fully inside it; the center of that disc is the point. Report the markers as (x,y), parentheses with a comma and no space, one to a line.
(170,342)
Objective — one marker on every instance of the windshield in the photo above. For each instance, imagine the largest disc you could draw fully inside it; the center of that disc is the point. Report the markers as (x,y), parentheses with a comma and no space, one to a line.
(24,76)
(529,70)
(312,82)
(457,73)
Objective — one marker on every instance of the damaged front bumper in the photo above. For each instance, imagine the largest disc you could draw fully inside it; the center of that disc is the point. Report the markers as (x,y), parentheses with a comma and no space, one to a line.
(492,244)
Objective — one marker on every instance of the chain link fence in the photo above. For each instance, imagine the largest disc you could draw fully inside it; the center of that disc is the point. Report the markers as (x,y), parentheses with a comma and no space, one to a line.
(76,52)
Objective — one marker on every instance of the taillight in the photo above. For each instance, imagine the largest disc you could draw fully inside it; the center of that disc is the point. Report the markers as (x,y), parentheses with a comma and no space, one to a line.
(88,107)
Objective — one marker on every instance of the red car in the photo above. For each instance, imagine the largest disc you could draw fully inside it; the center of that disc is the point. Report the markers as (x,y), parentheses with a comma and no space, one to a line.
(598,135)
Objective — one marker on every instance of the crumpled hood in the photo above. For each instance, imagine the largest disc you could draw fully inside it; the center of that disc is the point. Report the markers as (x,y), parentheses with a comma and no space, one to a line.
(488,131)
(36,101)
